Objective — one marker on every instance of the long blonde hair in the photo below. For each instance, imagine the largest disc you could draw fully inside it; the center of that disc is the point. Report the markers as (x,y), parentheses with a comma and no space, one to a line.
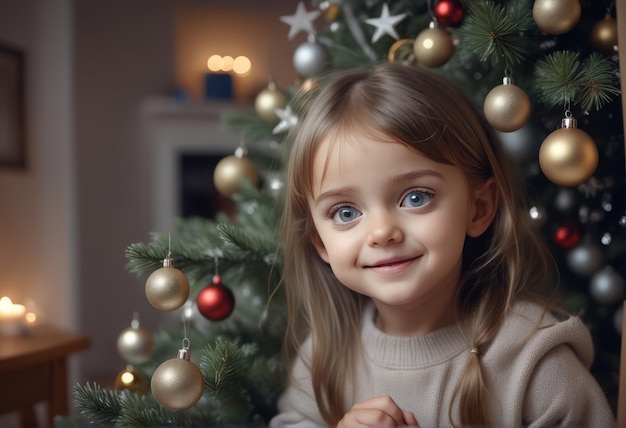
(427,113)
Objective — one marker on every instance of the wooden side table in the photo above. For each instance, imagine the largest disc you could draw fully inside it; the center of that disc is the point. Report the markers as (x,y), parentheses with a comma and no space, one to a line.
(34,368)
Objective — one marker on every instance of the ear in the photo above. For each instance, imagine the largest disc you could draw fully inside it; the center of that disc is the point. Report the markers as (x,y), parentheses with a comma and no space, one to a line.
(484,208)
(319,246)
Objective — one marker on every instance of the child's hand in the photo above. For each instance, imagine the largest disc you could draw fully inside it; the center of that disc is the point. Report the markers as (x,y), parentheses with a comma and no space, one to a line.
(377,412)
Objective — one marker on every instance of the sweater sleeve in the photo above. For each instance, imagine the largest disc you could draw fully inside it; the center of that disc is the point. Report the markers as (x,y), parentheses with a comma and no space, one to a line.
(562,392)
(547,382)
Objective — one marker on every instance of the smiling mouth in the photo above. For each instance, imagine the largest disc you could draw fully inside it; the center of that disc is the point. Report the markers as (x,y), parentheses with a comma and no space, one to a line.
(392,266)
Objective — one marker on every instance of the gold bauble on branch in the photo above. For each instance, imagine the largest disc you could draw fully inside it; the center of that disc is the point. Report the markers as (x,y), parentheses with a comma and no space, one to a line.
(167,288)
(604,35)
(231,171)
(556,16)
(131,380)
(433,47)
(568,156)
(177,384)
(268,101)
(507,107)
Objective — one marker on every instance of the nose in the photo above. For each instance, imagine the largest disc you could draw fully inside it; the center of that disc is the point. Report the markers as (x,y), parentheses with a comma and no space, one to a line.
(383,229)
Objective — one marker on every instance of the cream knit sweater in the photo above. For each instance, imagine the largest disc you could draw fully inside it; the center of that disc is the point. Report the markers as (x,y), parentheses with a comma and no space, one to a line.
(536,377)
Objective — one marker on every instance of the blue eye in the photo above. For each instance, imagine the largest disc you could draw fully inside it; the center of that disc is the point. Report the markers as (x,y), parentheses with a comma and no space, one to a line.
(344,214)
(416,199)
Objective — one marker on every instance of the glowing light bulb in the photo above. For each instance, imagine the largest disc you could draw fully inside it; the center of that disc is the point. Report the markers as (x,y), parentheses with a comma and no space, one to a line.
(214,63)
(242,65)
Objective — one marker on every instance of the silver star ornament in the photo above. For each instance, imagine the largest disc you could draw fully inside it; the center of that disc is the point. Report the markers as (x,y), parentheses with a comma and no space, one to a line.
(287,120)
(385,24)
(302,20)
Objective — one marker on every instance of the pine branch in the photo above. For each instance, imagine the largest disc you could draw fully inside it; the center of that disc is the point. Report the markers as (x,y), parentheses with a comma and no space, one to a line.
(225,371)
(98,405)
(601,84)
(257,209)
(251,125)
(193,254)
(225,366)
(560,78)
(357,32)
(144,257)
(494,33)
(144,411)
(268,377)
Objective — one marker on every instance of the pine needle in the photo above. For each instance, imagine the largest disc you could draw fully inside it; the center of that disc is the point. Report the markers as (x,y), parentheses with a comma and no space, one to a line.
(144,411)
(98,405)
(225,365)
(494,34)
(601,83)
(560,78)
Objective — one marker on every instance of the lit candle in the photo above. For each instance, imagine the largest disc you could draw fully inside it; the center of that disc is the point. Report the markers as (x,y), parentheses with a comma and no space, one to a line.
(12,321)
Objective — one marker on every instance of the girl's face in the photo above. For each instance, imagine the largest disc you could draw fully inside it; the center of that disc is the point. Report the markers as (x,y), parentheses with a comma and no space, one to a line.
(392,224)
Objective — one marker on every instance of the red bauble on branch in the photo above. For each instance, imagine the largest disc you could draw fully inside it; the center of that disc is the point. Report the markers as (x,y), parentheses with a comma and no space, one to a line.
(449,12)
(567,236)
(215,301)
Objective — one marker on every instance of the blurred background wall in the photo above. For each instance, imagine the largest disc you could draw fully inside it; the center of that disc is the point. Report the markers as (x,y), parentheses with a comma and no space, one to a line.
(68,216)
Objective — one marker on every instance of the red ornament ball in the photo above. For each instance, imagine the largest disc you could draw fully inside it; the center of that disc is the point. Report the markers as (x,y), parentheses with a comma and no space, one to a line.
(216,301)
(449,12)
(567,236)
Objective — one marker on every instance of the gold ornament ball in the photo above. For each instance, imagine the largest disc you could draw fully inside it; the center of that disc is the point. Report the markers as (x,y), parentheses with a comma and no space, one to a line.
(330,10)
(131,380)
(556,16)
(507,107)
(268,101)
(433,47)
(177,384)
(604,35)
(231,171)
(568,156)
(167,288)
(135,345)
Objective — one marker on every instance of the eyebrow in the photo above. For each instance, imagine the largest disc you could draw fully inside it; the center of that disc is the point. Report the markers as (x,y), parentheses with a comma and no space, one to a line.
(396,179)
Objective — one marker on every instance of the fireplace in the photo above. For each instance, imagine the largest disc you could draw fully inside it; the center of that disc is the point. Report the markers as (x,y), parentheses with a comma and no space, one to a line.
(182,144)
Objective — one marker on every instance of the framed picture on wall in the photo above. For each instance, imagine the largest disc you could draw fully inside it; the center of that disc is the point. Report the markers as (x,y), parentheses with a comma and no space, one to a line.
(12,121)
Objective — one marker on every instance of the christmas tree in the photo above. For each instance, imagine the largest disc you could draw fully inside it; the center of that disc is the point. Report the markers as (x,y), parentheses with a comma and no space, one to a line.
(545,74)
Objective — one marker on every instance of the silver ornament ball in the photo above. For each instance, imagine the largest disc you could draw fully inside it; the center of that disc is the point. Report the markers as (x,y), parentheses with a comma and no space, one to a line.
(135,345)
(311,59)
(607,286)
(585,259)
(522,144)
(566,200)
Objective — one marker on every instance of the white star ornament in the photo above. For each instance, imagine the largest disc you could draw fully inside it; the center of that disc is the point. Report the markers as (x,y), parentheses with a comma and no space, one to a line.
(385,24)
(287,120)
(302,20)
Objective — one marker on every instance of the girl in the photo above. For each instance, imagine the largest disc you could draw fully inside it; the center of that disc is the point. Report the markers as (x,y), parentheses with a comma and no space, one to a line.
(412,269)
